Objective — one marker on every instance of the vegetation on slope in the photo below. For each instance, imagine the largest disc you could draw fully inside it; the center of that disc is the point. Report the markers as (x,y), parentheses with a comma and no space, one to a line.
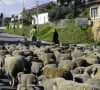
(70,34)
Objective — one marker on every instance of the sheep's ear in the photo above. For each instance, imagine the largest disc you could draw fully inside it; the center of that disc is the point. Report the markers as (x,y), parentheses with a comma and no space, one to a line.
(54,85)
(94,70)
(54,82)
(19,74)
(42,68)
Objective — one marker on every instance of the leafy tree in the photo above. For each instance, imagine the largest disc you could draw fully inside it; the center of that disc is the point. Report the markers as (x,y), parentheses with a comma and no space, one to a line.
(50,5)
(58,12)
(27,17)
(61,1)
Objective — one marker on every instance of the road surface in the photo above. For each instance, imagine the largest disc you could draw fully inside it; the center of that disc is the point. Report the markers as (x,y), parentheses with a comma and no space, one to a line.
(4,85)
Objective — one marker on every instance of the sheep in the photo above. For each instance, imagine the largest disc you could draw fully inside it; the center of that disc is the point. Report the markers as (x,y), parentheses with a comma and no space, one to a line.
(92,60)
(50,66)
(67,65)
(93,81)
(62,84)
(47,58)
(18,52)
(57,72)
(96,72)
(13,65)
(11,48)
(81,62)
(77,54)
(78,70)
(25,79)
(29,87)
(29,58)
(93,71)
(80,78)
(45,82)
(61,56)
(3,52)
(2,62)
(36,67)
(27,53)
(88,70)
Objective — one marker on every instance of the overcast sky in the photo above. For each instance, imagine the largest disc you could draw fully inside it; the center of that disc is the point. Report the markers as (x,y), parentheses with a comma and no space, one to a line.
(15,6)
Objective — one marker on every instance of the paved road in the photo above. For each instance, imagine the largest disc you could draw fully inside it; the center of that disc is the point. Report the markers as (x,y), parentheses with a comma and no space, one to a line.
(10,38)
(4,85)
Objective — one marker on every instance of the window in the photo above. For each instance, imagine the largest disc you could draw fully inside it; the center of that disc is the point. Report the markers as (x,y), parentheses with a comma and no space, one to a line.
(94,13)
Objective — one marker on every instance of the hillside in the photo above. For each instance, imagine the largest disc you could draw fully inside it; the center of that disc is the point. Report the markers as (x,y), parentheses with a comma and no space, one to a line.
(70,34)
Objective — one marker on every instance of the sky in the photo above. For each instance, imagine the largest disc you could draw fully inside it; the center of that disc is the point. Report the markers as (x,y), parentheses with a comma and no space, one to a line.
(10,7)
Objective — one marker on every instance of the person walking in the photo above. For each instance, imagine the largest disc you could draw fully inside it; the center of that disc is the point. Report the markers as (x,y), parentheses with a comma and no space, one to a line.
(33,34)
(55,37)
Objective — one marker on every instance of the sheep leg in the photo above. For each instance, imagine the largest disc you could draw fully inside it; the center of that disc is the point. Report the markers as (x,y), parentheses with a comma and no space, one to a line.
(13,82)
(9,80)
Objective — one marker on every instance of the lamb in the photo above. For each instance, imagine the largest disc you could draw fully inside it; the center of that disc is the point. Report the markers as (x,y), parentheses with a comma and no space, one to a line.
(25,79)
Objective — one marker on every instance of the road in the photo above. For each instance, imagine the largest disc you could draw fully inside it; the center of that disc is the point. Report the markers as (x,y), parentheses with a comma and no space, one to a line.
(10,38)
(4,85)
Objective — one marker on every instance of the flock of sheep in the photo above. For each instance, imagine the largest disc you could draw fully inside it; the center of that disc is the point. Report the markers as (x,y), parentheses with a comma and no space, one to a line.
(51,67)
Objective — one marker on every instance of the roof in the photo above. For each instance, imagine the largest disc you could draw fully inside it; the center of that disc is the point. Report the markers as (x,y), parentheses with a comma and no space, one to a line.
(42,5)
(96,2)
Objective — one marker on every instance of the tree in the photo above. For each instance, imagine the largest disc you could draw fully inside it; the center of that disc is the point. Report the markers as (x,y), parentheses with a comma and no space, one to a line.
(50,5)
(58,13)
(61,2)
(27,17)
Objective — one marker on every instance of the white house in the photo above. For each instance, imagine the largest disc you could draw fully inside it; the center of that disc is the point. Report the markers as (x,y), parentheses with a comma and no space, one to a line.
(20,16)
(42,19)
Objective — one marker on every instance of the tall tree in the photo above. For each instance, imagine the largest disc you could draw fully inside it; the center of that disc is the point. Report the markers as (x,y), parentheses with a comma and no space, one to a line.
(61,1)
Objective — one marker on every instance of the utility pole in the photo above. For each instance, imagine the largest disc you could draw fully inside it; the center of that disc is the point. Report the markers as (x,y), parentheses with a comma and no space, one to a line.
(37,16)
(3,18)
(23,15)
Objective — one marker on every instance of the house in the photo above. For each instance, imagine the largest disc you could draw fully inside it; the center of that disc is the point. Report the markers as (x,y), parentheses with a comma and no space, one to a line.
(95,18)
(42,19)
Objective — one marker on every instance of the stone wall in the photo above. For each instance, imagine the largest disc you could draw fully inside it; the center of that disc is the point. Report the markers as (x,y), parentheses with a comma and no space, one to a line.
(96,29)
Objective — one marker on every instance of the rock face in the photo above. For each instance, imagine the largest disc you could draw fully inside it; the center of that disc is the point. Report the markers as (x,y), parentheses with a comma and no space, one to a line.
(49,67)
